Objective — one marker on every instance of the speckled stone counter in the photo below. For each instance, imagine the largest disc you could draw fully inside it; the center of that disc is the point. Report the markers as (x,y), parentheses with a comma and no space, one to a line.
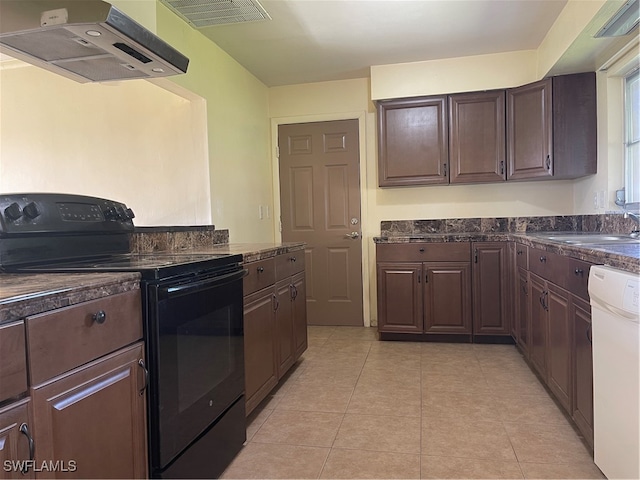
(252,252)
(29,294)
(525,230)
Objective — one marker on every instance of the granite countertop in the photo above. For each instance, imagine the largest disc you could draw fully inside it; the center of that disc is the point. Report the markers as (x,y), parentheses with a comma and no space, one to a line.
(626,257)
(23,294)
(252,252)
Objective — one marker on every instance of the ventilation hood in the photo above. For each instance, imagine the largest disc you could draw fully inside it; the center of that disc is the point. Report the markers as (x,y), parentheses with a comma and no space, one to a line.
(84,40)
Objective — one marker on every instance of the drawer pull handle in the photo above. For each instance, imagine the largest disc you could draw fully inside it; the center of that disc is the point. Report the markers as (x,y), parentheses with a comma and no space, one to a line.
(543,259)
(422,250)
(100,317)
(146,376)
(579,271)
(519,252)
(32,447)
(293,259)
(589,335)
(260,269)
(275,302)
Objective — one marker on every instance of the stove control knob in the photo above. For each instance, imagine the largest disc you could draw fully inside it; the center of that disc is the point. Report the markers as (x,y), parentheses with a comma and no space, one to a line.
(121,213)
(13,212)
(31,210)
(130,214)
(110,213)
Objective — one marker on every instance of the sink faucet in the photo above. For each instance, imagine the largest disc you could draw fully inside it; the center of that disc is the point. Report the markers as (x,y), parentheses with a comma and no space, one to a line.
(635,216)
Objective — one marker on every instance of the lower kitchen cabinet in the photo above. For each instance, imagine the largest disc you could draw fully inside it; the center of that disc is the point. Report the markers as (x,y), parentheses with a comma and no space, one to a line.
(275,322)
(539,320)
(15,432)
(94,419)
(424,289)
(522,318)
(559,345)
(491,289)
(582,406)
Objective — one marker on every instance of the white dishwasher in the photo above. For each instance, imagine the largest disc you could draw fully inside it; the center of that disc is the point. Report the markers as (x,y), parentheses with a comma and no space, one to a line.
(616,371)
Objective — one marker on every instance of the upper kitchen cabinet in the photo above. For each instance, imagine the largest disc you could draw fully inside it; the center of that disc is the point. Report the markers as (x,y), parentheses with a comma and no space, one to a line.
(551,128)
(477,137)
(412,141)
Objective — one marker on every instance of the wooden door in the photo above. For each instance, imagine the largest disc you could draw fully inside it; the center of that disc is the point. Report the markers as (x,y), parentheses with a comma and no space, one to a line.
(299,314)
(320,203)
(490,288)
(522,311)
(538,311)
(95,415)
(14,442)
(477,140)
(529,131)
(400,297)
(260,361)
(412,142)
(582,368)
(559,345)
(447,297)
(285,350)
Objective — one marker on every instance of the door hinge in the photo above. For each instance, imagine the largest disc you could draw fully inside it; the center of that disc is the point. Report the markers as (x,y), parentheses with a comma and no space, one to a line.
(278,151)
(501,167)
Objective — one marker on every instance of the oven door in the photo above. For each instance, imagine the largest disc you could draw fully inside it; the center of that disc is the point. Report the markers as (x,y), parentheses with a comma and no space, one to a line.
(195,346)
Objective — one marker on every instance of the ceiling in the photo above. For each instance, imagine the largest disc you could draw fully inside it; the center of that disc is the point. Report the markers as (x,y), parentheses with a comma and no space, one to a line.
(320,40)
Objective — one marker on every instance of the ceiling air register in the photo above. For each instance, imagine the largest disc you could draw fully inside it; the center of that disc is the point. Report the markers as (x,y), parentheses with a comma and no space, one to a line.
(206,13)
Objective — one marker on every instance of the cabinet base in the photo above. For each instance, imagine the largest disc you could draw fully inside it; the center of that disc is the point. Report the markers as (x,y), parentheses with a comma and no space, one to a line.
(445,338)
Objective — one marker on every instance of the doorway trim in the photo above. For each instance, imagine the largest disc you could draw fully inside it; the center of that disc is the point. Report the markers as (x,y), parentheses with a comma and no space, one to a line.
(361,116)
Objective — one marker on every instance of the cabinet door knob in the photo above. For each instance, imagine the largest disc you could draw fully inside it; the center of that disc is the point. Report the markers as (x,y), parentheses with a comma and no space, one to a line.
(260,269)
(543,259)
(100,317)
(293,259)
(579,271)
(519,252)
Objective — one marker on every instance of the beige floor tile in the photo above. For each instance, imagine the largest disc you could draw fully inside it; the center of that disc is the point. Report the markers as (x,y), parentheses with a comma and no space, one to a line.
(256,419)
(470,406)
(532,409)
(367,334)
(316,398)
(265,460)
(317,331)
(314,429)
(403,349)
(374,465)
(382,400)
(379,433)
(542,443)
(345,345)
(462,438)
(455,382)
(329,375)
(470,367)
(454,467)
(394,364)
(388,379)
(553,471)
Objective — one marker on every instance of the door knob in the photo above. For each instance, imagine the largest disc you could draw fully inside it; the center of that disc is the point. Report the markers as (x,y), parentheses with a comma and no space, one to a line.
(352,235)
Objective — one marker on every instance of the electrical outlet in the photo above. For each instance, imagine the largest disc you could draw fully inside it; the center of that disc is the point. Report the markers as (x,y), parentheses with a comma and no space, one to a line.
(595,200)
(601,197)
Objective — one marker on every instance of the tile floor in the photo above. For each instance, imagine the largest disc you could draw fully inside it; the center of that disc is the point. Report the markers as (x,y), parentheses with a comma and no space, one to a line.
(354,407)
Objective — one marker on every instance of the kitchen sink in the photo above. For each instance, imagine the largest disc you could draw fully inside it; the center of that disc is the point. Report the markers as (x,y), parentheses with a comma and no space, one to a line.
(588,238)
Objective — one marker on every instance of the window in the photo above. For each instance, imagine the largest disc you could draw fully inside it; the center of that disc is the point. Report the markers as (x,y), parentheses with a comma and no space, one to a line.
(632,137)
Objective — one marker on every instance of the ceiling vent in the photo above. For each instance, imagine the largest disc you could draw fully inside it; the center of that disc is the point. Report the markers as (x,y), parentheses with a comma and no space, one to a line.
(624,20)
(207,13)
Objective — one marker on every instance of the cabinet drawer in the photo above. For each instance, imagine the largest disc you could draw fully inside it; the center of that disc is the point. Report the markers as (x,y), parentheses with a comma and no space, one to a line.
(13,361)
(543,263)
(69,337)
(261,275)
(522,256)
(573,275)
(288,264)
(424,252)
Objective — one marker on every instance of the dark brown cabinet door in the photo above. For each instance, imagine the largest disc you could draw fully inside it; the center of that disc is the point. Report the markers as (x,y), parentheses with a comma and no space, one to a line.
(412,142)
(490,288)
(522,319)
(14,443)
(400,297)
(447,297)
(559,345)
(260,363)
(529,131)
(285,351)
(95,415)
(299,293)
(539,319)
(477,137)
(582,368)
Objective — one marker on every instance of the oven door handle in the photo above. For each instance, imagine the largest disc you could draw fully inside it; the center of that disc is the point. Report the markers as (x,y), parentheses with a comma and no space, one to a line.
(169,291)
